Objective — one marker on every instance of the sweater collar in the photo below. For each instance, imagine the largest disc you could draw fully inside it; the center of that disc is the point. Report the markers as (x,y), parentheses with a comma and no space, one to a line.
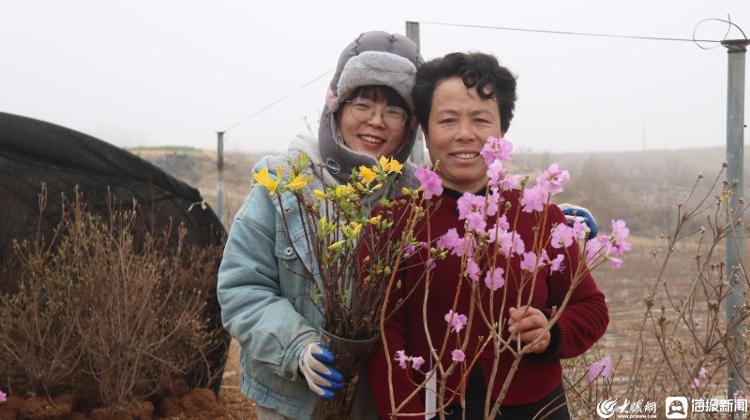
(455,194)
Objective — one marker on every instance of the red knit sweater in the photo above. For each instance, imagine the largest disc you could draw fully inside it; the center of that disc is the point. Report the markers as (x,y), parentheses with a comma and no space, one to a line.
(582,322)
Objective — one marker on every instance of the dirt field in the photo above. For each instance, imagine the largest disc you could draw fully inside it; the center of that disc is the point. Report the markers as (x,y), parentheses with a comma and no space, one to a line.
(231,398)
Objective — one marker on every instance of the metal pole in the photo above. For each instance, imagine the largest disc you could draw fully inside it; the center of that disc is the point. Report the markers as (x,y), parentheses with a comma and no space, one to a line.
(735,174)
(418,155)
(220,176)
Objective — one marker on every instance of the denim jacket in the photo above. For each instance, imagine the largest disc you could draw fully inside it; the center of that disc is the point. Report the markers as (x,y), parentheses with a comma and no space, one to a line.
(264,300)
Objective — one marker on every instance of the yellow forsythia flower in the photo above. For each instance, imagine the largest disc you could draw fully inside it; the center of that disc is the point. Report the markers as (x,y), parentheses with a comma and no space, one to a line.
(344,191)
(366,175)
(265,180)
(383,162)
(299,182)
(320,195)
(390,165)
(395,166)
(375,219)
(356,228)
(336,245)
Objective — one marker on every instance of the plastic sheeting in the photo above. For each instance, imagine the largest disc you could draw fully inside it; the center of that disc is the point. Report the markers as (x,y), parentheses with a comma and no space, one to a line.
(34,152)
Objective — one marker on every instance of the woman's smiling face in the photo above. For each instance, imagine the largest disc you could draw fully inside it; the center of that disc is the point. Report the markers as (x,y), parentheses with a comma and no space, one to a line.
(459,124)
(375,136)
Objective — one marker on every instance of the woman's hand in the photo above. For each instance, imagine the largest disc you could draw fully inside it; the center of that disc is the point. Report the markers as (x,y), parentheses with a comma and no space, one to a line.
(528,322)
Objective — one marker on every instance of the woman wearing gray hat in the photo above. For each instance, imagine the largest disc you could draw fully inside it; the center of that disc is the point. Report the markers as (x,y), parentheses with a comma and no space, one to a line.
(265,304)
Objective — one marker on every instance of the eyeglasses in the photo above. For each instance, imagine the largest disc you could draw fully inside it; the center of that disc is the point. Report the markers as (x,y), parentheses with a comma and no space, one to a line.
(363,110)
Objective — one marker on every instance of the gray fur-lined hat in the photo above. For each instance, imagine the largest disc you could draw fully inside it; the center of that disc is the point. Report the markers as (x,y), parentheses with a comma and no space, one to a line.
(374,59)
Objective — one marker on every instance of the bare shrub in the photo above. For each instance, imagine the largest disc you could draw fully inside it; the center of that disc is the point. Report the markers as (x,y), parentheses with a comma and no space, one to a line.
(682,343)
(104,315)
(40,341)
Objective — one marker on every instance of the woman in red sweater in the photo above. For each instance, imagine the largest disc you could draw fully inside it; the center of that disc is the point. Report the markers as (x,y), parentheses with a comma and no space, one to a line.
(461,100)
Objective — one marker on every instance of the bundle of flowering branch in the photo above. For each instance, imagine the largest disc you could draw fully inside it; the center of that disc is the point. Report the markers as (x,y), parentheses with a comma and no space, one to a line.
(339,225)
(497,252)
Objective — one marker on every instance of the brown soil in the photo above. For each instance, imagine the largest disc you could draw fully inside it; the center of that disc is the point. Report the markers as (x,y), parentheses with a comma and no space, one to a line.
(232,400)
(184,404)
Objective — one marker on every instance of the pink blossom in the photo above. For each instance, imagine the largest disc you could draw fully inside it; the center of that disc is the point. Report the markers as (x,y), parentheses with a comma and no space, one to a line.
(502,223)
(430,263)
(619,232)
(534,199)
(472,269)
(493,202)
(450,240)
(456,320)
(610,246)
(602,367)
(401,358)
(531,262)
(3,396)
(615,262)
(510,182)
(503,238)
(476,222)
(469,203)
(430,182)
(496,149)
(562,236)
(579,229)
(417,362)
(553,179)
(467,248)
(509,242)
(594,250)
(702,374)
(557,263)
(494,278)
(454,243)
(409,249)
(458,356)
(492,235)
(496,173)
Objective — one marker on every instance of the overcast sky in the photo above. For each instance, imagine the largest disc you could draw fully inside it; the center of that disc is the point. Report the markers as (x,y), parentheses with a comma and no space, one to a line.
(175,72)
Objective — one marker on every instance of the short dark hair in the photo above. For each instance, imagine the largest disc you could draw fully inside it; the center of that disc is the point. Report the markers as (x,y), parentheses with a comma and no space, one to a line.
(478,70)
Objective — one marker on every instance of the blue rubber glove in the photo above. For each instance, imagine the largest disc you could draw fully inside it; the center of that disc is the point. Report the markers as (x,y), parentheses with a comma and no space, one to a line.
(582,214)
(314,363)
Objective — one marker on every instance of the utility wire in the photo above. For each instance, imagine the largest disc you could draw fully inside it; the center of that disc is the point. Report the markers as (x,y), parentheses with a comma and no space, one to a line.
(261,110)
(591,34)
(504,28)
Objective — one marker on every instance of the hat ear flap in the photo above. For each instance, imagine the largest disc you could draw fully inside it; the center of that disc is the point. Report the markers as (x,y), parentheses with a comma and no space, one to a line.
(330,98)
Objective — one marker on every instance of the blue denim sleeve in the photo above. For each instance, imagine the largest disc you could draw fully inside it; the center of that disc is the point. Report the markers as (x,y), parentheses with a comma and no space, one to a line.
(253,309)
